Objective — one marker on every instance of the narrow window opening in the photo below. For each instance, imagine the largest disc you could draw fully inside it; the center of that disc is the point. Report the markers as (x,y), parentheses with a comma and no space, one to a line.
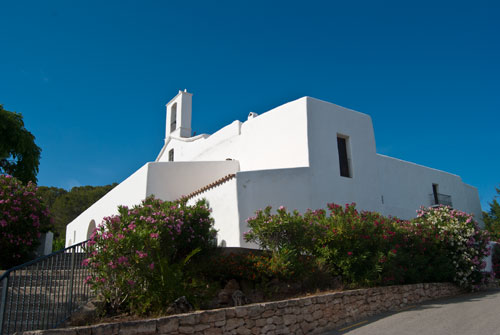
(171,155)
(343,157)
(435,194)
(173,117)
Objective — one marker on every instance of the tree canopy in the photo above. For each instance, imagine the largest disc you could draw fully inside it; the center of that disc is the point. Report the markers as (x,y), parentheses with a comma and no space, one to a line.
(19,155)
(65,206)
(492,217)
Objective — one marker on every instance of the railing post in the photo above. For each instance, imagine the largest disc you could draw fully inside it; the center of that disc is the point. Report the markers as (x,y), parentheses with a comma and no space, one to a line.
(70,308)
(3,302)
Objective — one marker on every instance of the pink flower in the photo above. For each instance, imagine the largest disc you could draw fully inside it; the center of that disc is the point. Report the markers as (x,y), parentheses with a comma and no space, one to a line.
(152,266)
(123,260)
(131,282)
(349,253)
(85,262)
(141,254)
(154,235)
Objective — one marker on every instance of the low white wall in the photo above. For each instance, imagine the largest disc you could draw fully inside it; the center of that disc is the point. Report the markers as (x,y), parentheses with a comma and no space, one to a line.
(224,204)
(489,259)
(129,192)
(165,180)
(282,187)
(172,180)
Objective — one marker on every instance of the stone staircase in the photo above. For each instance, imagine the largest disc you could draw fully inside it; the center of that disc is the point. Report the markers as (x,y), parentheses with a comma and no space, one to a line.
(44,294)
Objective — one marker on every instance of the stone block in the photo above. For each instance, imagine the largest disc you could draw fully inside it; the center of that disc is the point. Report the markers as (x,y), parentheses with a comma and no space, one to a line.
(220,323)
(186,329)
(249,323)
(260,322)
(189,319)
(200,327)
(277,320)
(241,312)
(267,329)
(143,327)
(267,313)
(166,325)
(234,323)
(213,331)
(243,331)
(83,331)
(255,311)
(212,316)
(289,319)
(318,315)
(106,329)
(308,317)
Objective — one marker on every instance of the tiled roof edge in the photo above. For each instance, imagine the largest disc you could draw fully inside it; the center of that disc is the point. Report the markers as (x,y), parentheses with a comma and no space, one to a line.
(210,186)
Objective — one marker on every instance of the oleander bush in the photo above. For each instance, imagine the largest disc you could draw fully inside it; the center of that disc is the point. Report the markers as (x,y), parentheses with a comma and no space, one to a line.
(366,248)
(465,244)
(495,260)
(23,218)
(289,236)
(141,260)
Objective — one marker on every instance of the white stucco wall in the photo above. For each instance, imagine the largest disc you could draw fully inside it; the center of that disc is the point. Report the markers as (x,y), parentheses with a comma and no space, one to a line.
(326,121)
(406,186)
(223,201)
(275,139)
(165,180)
(172,180)
(287,156)
(473,203)
(281,187)
(129,192)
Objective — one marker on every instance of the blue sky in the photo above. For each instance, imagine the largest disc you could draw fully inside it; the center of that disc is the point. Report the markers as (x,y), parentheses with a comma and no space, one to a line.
(92,78)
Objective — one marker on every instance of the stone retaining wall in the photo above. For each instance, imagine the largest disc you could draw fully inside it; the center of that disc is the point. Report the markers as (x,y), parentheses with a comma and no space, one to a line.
(308,315)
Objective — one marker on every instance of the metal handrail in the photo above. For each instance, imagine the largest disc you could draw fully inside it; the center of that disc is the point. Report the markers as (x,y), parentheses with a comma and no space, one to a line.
(42,293)
(440,199)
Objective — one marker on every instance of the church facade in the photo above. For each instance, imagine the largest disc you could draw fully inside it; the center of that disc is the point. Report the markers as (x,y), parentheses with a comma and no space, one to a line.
(303,154)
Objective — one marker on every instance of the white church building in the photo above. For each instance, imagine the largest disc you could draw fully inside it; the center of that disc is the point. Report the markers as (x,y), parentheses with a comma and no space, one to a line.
(303,154)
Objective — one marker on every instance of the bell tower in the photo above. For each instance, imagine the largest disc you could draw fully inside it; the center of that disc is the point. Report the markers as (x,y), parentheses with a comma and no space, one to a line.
(179,115)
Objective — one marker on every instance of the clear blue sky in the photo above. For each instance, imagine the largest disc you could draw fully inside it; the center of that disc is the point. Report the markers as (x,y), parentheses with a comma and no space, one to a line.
(91,78)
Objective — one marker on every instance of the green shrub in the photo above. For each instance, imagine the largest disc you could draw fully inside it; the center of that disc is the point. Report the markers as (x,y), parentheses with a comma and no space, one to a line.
(289,236)
(416,255)
(495,260)
(366,248)
(22,219)
(140,258)
(355,245)
(464,243)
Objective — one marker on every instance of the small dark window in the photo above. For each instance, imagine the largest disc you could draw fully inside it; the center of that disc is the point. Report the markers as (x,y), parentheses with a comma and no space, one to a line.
(171,155)
(435,194)
(173,117)
(343,159)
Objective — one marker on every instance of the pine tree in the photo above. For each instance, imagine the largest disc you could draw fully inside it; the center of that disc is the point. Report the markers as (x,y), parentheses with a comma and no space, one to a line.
(492,217)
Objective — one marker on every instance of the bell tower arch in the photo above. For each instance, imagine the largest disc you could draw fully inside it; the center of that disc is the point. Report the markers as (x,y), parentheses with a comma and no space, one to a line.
(178,120)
